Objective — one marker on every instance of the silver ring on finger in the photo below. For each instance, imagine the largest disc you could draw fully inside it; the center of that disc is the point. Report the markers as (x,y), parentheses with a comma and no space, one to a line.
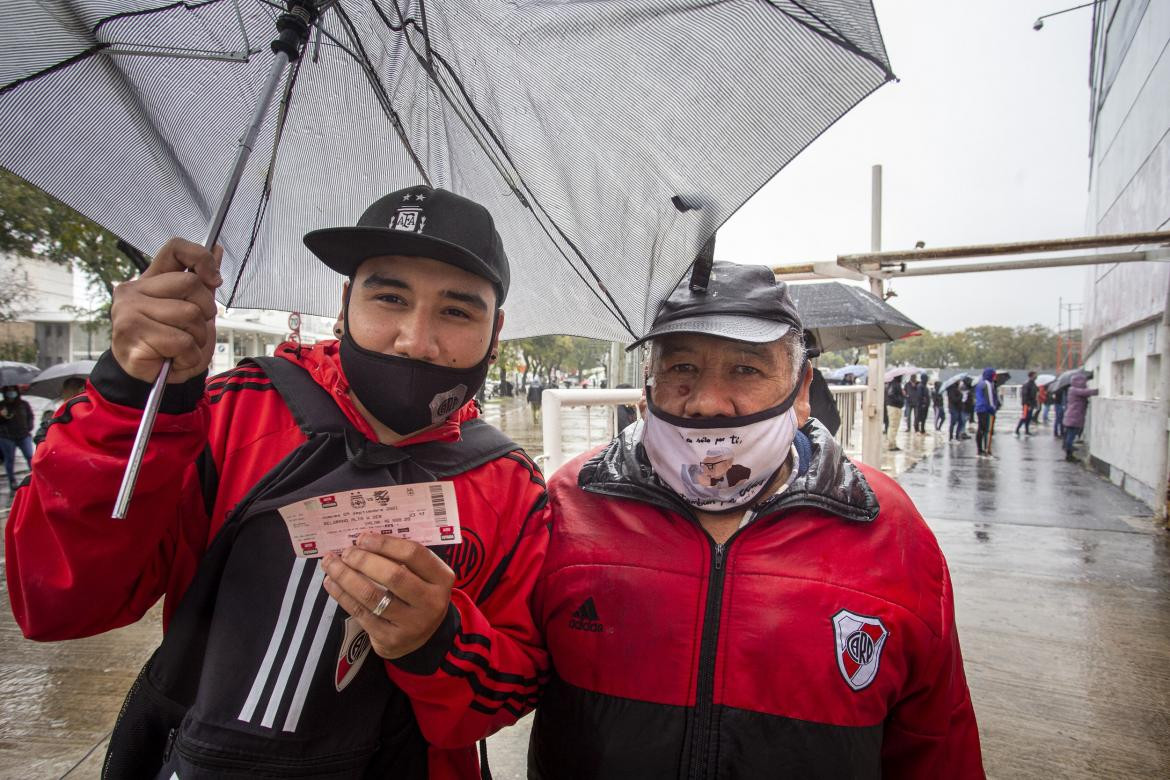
(380,607)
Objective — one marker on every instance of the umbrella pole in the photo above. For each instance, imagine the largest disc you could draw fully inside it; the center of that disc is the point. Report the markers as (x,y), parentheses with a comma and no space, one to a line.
(294,28)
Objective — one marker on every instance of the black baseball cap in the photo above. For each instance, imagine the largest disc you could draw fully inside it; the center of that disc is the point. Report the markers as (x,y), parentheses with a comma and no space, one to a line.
(423,222)
(740,302)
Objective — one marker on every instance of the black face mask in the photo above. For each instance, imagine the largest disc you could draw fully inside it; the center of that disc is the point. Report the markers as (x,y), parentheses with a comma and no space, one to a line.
(404,394)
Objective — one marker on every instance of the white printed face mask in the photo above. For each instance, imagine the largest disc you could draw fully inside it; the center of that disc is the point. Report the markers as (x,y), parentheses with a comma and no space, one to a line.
(719,464)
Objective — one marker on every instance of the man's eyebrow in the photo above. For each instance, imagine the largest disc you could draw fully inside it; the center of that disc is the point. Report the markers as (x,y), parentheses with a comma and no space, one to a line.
(472,299)
(375,280)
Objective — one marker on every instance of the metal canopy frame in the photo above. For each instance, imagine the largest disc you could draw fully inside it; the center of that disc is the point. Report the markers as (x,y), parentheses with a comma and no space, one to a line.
(895,264)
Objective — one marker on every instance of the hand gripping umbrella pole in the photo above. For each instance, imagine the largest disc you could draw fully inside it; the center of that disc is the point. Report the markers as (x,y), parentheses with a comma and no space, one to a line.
(293,28)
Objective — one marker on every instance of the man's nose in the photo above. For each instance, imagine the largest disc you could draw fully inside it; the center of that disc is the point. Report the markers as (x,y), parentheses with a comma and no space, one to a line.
(710,396)
(416,338)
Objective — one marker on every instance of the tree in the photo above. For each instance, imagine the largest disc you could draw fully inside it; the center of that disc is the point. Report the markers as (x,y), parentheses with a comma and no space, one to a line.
(587,353)
(35,224)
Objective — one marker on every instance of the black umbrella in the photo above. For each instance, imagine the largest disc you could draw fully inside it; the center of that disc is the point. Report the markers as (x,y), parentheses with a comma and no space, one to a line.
(606,162)
(13,373)
(49,382)
(1065,379)
(957,378)
(841,315)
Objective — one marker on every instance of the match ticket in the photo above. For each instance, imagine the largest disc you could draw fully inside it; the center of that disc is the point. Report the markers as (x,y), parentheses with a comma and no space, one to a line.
(425,512)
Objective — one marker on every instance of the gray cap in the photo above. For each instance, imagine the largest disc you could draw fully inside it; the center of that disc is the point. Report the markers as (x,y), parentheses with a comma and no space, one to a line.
(740,302)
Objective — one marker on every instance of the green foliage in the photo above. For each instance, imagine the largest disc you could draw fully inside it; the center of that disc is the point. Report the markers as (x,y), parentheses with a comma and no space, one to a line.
(1027,346)
(544,356)
(35,224)
(20,351)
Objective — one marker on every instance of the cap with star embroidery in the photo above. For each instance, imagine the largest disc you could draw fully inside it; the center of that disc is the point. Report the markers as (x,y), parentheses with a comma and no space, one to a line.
(420,222)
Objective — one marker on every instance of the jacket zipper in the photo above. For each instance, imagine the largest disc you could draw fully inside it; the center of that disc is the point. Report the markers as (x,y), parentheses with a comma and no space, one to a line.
(705,694)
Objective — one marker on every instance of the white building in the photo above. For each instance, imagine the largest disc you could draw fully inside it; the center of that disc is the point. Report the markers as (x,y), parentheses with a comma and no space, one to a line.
(1129,191)
(46,317)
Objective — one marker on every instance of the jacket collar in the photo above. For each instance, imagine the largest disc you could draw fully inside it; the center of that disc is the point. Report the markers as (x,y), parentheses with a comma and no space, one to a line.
(828,480)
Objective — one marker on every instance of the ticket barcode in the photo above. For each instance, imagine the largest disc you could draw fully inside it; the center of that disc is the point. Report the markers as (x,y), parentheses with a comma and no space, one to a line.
(438,505)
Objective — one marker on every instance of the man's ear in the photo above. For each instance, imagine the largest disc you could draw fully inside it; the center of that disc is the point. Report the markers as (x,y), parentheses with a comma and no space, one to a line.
(339,326)
(495,348)
(801,404)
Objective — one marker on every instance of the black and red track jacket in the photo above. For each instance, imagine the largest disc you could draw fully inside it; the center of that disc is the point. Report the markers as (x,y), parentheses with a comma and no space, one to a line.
(818,641)
(74,572)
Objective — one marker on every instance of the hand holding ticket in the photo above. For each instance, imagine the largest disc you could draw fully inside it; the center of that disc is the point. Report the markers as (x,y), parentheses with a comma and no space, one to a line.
(424,512)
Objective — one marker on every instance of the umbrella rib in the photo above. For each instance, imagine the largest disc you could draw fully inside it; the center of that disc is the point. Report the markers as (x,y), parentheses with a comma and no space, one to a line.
(367,67)
(526,200)
(836,38)
(266,194)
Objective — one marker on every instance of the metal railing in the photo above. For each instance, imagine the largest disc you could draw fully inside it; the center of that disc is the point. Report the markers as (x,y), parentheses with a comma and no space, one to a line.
(848,398)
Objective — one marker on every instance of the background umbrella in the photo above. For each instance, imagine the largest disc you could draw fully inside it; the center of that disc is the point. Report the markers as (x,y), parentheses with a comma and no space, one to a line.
(838,374)
(1002,376)
(1045,379)
(49,382)
(892,373)
(1065,379)
(956,378)
(605,166)
(841,315)
(13,373)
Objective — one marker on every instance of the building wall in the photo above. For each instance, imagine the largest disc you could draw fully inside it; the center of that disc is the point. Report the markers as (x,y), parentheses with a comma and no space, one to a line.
(1129,191)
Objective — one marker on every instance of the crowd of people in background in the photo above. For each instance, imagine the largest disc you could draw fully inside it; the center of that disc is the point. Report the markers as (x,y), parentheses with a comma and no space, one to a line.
(964,401)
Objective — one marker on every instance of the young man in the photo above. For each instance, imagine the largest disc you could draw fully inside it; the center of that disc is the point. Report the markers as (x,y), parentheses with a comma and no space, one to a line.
(390,659)
(798,623)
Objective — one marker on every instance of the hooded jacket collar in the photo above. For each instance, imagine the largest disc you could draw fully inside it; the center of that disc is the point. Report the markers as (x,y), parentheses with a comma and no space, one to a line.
(827,480)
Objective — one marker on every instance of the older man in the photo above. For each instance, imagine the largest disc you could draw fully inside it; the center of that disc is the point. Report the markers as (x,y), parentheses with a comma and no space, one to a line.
(798,623)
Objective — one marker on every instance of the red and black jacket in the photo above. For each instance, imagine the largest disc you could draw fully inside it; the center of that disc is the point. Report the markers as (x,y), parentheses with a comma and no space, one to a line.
(818,641)
(480,671)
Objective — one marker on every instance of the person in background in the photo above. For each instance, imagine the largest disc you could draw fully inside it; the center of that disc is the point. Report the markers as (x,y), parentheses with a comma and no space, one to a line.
(16,424)
(940,410)
(1028,399)
(986,404)
(923,404)
(1058,411)
(968,406)
(71,387)
(534,399)
(627,414)
(1076,404)
(895,400)
(910,401)
(955,408)
(1044,402)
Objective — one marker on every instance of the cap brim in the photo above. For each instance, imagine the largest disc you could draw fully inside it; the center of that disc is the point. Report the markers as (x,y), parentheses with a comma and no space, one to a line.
(345,248)
(752,330)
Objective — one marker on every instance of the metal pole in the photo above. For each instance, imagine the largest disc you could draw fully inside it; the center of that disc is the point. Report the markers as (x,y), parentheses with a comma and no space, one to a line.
(130,477)
(871,424)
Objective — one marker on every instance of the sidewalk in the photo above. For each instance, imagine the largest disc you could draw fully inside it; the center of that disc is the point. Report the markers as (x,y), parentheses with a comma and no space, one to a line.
(1062,587)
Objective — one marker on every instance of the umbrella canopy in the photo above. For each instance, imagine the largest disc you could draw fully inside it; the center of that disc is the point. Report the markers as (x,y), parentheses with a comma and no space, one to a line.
(50,381)
(608,140)
(13,373)
(859,372)
(893,373)
(1044,379)
(957,378)
(1065,379)
(840,315)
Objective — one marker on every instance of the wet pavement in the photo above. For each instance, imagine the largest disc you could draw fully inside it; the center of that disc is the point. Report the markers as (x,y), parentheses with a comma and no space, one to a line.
(1062,586)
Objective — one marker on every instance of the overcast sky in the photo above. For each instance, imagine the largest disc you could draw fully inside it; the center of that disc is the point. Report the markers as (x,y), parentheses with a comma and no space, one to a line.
(984,139)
